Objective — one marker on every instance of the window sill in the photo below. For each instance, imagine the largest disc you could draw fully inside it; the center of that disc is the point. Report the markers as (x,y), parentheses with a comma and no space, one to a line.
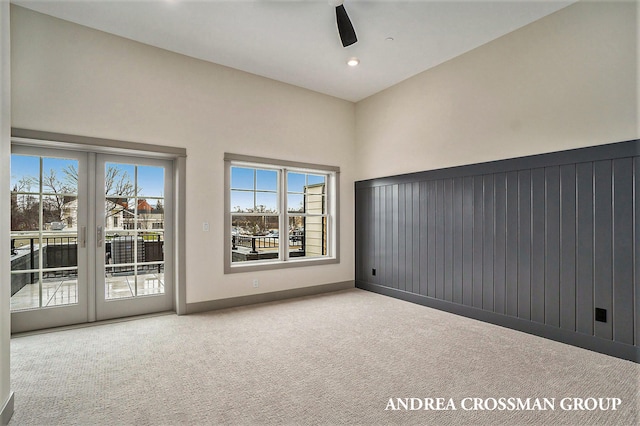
(275,265)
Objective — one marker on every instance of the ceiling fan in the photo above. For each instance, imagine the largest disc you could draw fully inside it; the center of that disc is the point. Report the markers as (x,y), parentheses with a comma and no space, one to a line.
(345,28)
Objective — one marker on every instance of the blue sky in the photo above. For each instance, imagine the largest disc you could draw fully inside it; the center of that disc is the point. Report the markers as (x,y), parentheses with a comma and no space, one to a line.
(242,181)
(29,166)
(150,178)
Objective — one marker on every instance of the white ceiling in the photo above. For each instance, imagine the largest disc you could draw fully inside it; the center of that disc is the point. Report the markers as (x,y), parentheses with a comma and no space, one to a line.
(297,41)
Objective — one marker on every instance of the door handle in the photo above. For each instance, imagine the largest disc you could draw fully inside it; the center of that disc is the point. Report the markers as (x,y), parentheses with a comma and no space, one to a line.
(83,236)
(99,236)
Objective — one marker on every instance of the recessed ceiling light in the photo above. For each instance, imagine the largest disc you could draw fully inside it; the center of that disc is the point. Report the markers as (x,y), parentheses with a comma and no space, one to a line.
(353,62)
(389,39)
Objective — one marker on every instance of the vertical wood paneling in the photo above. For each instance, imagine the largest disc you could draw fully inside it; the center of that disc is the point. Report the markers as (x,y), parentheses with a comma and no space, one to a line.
(448,240)
(548,245)
(381,270)
(467,241)
(603,249)
(524,244)
(431,223)
(478,210)
(366,232)
(511,289)
(538,235)
(636,245)
(408,236)
(568,247)
(395,240)
(440,239)
(552,249)
(487,242)
(360,222)
(424,238)
(584,251)
(416,237)
(388,230)
(376,234)
(500,243)
(457,240)
(623,250)
(402,247)
(370,232)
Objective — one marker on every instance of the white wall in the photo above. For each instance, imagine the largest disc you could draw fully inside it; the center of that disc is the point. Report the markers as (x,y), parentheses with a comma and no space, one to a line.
(568,80)
(71,79)
(5,152)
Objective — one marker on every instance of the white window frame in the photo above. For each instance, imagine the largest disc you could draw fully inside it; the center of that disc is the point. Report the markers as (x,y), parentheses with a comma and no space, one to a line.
(283,167)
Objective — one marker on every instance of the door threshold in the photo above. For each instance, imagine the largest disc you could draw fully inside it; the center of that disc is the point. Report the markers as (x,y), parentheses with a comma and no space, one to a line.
(90,324)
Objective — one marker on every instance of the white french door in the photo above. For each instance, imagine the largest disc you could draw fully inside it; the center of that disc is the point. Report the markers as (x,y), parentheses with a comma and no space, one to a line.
(49,254)
(134,205)
(89,233)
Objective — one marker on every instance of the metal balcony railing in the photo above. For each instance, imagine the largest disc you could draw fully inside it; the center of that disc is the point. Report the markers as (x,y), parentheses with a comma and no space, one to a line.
(258,242)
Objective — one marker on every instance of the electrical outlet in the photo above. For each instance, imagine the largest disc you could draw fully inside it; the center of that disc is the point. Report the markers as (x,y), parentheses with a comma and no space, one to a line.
(601,315)
(373,272)
(205,226)
(256,283)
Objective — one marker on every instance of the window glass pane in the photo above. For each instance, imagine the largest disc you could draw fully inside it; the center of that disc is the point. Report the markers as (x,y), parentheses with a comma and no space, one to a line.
(316,179)
(25,214)
(59,288)
(315,203)
(253,225)
(254,238)
(60,249)
(148,213)
(117,213)
(266,202)
(25,173)
(150,280)
(119,180)
(307,236)
(52,212)
(59,176)
(153,250)
(25,291)
(267,180)
(25,252)
(296,182)
(242,178)
(118,283)
(242,201)
(296,236)
(295,203)
(151,181)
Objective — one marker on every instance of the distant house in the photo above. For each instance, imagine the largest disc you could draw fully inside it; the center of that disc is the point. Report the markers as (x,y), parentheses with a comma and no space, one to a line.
(121,216)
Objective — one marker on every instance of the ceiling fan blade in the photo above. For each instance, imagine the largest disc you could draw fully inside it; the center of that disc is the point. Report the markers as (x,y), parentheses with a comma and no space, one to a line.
(347,33)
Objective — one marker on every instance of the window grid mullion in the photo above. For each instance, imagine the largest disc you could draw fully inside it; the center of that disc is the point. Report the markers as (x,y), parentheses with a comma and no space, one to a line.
(255,188)
(284,216)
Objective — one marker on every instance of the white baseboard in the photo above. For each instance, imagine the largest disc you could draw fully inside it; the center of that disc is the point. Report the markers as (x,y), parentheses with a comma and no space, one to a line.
(267,297)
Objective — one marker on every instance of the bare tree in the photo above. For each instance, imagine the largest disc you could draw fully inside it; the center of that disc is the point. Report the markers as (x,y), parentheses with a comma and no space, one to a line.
(58,194)
(118,187)
(24,206)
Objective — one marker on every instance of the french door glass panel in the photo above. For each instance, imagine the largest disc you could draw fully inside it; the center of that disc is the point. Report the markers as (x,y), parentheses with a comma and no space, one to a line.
(48,229)
(132,235)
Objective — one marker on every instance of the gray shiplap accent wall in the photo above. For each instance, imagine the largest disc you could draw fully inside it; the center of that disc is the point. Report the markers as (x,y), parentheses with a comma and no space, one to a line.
(534,243)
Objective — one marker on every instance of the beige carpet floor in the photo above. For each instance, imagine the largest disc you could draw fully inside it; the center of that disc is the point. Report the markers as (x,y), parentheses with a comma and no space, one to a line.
(329,359)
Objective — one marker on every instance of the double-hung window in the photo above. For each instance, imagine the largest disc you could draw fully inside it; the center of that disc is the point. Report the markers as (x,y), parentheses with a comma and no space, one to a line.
(279,213)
